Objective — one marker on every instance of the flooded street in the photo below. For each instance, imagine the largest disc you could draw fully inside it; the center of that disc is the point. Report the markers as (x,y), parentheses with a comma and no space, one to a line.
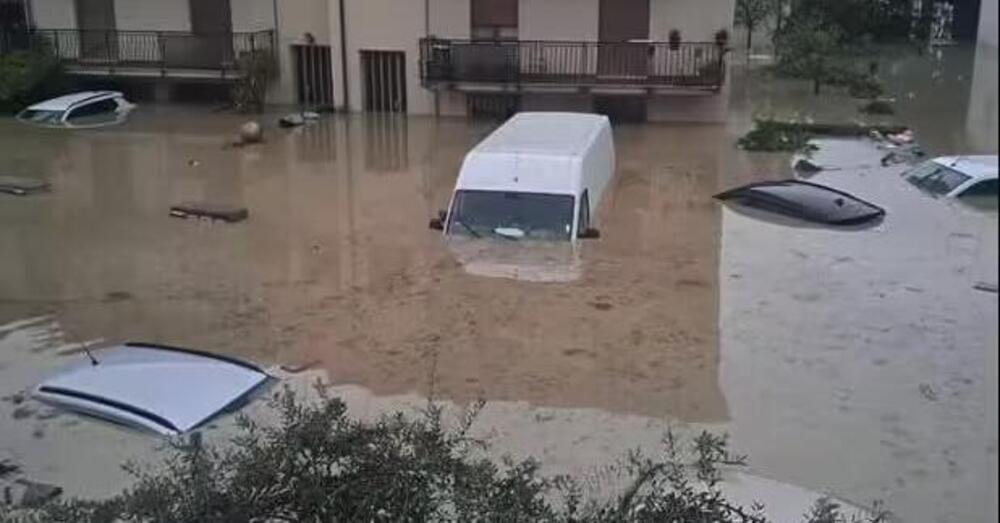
(859,363)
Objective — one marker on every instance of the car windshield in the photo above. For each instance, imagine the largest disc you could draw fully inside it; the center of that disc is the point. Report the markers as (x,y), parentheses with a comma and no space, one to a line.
(935,178)
(512,215)
(40,116)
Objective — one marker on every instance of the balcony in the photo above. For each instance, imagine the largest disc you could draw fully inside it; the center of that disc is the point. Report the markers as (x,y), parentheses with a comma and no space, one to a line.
(503,66)
(154,53)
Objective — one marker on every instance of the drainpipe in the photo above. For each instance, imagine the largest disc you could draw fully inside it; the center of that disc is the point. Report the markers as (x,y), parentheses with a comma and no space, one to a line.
(427,34)
(343,58)
(276,37)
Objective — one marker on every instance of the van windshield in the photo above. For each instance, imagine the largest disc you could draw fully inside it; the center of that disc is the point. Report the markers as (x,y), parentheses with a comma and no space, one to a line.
(513,215)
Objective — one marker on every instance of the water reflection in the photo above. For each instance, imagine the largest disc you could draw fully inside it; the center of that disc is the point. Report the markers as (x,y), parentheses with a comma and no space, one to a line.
(386,148)
(948,96)
(335,262)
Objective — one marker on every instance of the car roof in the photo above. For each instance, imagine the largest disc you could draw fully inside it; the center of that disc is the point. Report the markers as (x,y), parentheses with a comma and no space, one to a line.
(169,390)
(68,101)
(544,133)
(978,167)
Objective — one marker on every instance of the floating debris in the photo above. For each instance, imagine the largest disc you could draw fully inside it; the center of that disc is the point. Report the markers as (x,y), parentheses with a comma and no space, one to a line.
(22,186)
(211,211)
(985,287)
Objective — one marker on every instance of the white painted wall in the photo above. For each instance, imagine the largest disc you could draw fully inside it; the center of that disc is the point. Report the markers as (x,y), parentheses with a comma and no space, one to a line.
(558,20)
(295,18)
(152,15)
(697,20)
(451,18)
(54,14)
(258,15)
(988,23)
(386,25)
(393,25)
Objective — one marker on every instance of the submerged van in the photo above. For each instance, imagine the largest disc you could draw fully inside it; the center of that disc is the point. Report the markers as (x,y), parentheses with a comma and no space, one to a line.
(540,176)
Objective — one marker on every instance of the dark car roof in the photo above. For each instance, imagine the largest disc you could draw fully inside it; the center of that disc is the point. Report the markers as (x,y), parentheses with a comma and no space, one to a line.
(804,200)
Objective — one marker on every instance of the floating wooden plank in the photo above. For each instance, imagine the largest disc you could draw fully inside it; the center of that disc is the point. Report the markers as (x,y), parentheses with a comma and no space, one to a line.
(22,186)
(211,211)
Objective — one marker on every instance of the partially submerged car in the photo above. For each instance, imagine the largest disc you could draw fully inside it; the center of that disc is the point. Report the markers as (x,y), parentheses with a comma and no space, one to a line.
(158,388)
(956,176)
(79,110)
(804,200)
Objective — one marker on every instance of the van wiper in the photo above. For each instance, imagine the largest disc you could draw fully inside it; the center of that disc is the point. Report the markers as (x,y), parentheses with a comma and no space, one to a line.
(467,227)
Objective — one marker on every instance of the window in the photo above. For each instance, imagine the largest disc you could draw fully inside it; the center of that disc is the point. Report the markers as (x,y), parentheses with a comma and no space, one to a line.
(494,19)
(512,215)
(102,111)
(983,188)
(40,116)
(935,178)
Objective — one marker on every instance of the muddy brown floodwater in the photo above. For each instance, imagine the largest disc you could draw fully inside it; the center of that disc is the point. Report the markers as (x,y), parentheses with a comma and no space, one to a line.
(859,363)
(336,262)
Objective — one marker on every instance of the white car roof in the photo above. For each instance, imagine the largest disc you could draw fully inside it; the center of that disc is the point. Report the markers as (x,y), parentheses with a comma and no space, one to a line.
(168,390)
(981,167)
(68,101)
(537,151)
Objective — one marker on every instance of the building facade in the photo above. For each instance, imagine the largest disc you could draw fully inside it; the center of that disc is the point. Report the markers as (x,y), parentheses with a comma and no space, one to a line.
(637,59)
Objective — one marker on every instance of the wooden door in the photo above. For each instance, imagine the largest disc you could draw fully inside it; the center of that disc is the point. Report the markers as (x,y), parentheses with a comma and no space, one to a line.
(621,23)
(96,21)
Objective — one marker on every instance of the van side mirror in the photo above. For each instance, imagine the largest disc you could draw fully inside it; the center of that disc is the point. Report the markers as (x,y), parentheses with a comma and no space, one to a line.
(589,233)
(438,223)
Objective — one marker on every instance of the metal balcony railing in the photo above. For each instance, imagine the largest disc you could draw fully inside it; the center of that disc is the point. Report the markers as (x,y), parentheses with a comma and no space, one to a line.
(521,62)
(154,49)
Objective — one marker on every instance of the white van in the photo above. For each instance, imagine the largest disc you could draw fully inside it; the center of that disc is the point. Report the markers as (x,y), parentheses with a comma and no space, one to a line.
(540,176)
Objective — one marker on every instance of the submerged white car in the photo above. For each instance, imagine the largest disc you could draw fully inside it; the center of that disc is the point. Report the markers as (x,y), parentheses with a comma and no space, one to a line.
(956,176)
(157,388)
(79,110)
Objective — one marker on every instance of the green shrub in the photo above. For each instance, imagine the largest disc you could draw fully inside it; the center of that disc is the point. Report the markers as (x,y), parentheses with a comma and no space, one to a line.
(257,70)
(877,107)
(27,75)
(317,464)
(864,86)
(775,136)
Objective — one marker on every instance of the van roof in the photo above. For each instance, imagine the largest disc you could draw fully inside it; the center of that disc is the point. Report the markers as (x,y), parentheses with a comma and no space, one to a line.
(544,133)
(533,152)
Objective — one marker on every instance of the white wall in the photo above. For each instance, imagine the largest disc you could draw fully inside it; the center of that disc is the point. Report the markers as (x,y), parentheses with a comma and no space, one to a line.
(697,20)
(257,15)
(451,18)
(988,23)
(394,25)
(558,20)
(295,18)
(54,14)
(152,15)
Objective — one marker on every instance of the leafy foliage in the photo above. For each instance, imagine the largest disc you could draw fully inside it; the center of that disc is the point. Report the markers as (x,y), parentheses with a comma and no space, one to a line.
(859,20)
(257,69)
(775,136)
(807,46)
(316,464)
(750,14)
(27,75)
(877,107)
